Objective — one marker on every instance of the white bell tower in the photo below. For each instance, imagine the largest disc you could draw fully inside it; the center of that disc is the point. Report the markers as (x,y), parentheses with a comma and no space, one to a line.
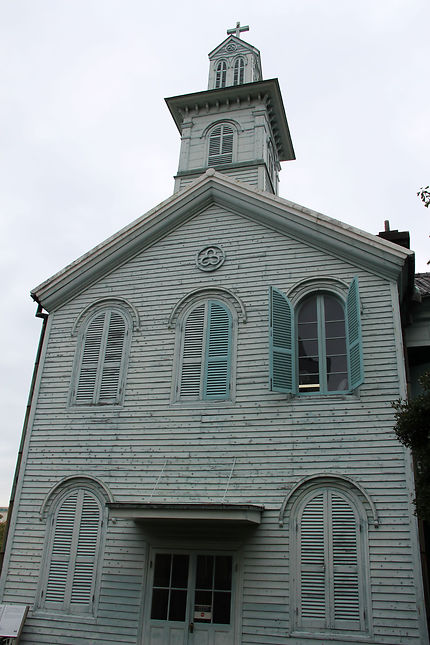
(238,125)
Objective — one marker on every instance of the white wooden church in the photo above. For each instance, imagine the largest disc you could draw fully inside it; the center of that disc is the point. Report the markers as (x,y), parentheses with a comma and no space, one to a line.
(209,457)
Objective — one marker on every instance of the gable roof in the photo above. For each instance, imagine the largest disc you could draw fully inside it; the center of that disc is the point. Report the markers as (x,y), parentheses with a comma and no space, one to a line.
(241,44)
(341,240)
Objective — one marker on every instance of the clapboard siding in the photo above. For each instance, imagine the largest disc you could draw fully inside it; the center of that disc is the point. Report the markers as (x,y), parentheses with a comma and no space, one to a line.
(275,441)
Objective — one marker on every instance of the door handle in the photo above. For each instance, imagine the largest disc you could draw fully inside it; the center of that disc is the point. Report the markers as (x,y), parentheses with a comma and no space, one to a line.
(191,628)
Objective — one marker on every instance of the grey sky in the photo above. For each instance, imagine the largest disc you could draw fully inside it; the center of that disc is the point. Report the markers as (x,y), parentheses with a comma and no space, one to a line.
(87,143)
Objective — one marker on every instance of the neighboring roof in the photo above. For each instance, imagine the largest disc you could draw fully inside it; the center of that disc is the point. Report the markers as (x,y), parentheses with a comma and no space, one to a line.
(324,233)
(179,105)
(422,282)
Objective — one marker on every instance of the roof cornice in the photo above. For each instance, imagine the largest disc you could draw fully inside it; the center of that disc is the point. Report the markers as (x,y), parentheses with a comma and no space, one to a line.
(262,90)
(341,240)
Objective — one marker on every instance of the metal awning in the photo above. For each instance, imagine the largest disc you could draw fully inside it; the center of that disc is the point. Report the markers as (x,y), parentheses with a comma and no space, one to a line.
(193,512)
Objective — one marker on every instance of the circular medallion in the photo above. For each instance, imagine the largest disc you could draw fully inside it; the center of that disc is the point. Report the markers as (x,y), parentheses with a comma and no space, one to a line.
(210,258)
(231,47)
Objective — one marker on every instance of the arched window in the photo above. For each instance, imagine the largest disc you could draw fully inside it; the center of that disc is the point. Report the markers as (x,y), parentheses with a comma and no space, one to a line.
(205,352)
(221,74)
(238,71)
(329,567)
(321,338)
(101,359)
(73,548)
(316,348)
(221,139)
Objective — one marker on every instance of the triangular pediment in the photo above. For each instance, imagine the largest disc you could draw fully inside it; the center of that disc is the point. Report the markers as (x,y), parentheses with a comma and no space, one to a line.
(340,240)
(232,46)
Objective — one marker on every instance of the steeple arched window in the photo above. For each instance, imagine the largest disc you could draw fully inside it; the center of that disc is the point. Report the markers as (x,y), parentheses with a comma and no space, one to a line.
(238,71)
(221,139)
(221,74)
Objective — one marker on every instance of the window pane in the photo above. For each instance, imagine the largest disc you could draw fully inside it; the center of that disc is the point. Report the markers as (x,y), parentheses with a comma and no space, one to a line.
(204,574)
(335,346)
(223,566)
(221,611)
(308,311)
(335,329)
(180,571)
(337,382)
(162,570)
(160,599)
(178,604)
(333,309)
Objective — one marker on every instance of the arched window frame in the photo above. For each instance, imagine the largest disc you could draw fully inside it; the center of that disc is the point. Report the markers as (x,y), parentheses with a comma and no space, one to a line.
(206,394)
(221,143)
(239,71)
(220,74)
(75,513)
(102,324)
(284,350)
(337,553)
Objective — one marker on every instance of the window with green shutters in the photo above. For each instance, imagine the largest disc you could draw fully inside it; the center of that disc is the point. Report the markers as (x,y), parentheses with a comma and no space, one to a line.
(221,74)
(71,565)
(316,346)
(329,580)
(238,71)
(102,357)
(206,353)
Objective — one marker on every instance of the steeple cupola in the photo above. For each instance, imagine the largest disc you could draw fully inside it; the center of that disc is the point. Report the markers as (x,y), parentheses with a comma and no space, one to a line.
(238,125)
(234,62)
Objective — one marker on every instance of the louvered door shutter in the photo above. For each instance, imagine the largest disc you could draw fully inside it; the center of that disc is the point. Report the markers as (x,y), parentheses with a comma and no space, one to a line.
(281,343)
(113,358)
(345,584)
(353,326)
(71,576)
(192,354)
(91,355)
(218,352)
(88,530)
(312,608)
(61,552)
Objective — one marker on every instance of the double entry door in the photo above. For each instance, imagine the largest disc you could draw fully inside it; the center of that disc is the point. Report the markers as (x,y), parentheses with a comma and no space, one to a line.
(189,599)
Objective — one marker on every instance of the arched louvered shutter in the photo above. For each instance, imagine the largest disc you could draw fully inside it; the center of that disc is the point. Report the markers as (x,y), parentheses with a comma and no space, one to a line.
(102,360)
(330,595)
(238,72)
(221,145)
(206,352)
(218,352)
(192,354)
(353,326)
(221,74)
(73,557)
(281,343)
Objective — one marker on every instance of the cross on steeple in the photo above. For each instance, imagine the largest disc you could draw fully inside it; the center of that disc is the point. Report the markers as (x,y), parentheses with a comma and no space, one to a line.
(236,30)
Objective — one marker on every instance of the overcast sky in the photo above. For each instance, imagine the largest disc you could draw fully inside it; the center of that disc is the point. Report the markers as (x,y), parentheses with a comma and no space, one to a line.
(87,143)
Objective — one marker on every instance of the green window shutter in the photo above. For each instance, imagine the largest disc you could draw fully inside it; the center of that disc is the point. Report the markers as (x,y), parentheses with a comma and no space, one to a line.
(218,352)
(89,367)
(113,358)
(221,145)
(192,354)
(281,343)
(61,551)
(313,588)
(86,551)
(353,326)
(346,589)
